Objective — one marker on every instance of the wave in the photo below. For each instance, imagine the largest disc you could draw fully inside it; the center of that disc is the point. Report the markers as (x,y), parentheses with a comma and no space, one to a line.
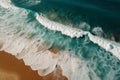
(34,54)
(25,38)
(108,45)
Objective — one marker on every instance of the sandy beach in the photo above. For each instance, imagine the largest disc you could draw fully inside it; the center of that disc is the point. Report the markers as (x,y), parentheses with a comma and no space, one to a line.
(13,69)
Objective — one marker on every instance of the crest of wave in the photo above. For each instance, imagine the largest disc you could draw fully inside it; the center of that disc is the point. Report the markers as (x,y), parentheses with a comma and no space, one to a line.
(25,38)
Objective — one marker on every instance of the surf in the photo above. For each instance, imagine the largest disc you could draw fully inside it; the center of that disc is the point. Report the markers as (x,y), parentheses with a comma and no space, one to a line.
(32,37)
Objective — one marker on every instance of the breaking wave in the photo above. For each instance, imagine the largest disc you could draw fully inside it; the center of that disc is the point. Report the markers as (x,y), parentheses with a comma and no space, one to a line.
(36,39)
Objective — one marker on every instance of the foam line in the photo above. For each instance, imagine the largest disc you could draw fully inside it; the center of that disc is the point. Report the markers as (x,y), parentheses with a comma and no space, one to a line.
(35,59)
(35,56)
(35,53)
(108,45)
(64,29)
(73,32)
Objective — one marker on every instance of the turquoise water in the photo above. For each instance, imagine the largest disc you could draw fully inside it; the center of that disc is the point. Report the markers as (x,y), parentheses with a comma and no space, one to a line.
(105,14)
(96,13)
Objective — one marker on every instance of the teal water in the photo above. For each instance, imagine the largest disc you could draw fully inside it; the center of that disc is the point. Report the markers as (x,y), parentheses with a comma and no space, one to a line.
(97,13)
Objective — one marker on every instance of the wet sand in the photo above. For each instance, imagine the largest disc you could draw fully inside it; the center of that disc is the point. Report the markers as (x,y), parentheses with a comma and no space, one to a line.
(13,69)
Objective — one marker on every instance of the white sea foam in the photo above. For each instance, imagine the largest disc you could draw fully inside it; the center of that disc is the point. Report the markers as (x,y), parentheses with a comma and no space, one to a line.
(108,45)
(74,32)
(98,31)
(36,57)
(7,4)
(72,67)
(84,26)
(64,29)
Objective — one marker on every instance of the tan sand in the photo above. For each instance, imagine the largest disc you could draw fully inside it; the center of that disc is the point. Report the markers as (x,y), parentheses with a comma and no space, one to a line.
(13,69)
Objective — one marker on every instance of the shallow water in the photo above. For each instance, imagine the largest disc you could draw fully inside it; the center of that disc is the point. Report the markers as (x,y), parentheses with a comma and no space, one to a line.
(13,69)
(81,37)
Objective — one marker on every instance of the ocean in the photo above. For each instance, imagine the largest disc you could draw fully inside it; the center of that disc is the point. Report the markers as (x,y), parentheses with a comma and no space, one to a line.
(80,36)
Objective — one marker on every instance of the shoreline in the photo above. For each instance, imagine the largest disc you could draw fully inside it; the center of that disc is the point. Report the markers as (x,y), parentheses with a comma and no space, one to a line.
(10,65)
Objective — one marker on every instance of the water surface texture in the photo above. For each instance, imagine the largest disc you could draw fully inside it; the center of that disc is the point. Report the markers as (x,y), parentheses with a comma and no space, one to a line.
(81,37)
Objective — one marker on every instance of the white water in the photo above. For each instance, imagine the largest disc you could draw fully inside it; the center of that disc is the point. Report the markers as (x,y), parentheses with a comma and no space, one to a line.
(66,30)
(35,56)
(75,32)
(72,67)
